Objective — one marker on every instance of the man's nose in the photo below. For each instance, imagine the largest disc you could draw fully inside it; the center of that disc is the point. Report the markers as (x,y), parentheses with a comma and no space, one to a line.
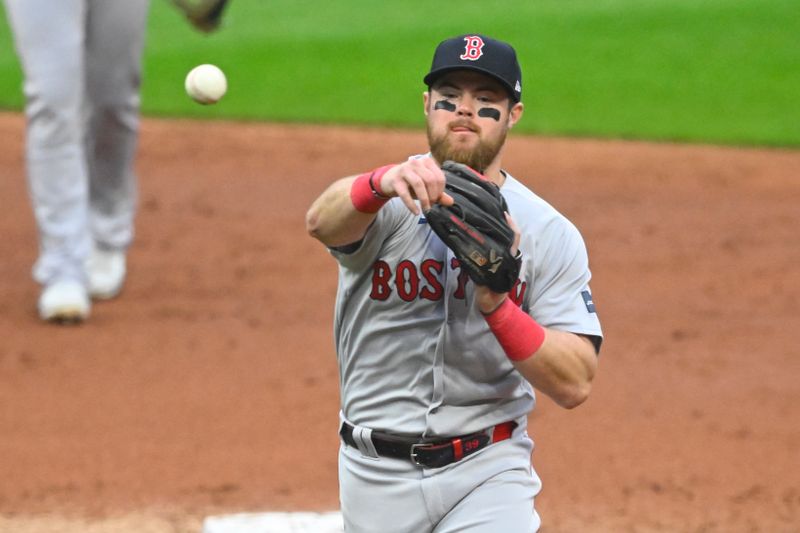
(466,106)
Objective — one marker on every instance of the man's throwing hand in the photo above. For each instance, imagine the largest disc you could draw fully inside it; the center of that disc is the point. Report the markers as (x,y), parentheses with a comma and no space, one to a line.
(416,179)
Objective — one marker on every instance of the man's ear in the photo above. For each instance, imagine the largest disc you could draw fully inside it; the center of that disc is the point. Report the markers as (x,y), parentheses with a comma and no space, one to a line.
(426,99)
(515,114)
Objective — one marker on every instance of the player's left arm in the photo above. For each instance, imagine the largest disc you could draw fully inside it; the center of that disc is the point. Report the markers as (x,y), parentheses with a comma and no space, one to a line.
(563,367)
(558,363)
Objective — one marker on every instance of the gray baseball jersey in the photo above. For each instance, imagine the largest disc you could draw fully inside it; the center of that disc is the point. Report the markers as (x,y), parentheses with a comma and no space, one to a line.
(415,355)
(82,61)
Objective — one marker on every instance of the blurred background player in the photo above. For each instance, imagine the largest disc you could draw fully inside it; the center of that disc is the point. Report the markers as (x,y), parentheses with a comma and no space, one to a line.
(82,63)
(81,60)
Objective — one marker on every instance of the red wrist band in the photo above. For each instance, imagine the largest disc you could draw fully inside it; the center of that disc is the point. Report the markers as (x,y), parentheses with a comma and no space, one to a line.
(375,179)
(519,334)
(365,192)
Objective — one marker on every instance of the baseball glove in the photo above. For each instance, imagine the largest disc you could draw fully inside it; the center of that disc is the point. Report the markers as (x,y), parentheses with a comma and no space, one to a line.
(205,15)
(475,228)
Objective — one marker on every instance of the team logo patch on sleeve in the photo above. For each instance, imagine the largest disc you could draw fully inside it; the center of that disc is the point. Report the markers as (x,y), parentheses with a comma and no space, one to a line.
(587,299)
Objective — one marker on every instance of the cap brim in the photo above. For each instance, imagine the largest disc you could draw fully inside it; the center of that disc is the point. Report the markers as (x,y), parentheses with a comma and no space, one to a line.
(433,75)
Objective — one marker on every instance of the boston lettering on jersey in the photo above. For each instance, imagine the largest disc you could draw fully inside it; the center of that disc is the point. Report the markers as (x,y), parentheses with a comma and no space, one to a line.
(411,281)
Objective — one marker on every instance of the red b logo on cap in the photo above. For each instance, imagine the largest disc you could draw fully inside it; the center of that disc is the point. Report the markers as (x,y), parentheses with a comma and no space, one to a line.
(474,48)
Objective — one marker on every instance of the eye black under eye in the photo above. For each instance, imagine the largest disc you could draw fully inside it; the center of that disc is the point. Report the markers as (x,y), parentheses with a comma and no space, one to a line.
(446,105)
(489,112)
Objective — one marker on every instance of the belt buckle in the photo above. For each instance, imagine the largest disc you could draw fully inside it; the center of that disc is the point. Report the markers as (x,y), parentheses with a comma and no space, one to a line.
(413,453)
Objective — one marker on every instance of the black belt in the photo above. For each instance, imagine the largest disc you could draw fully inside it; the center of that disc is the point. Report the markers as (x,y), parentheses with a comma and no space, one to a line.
(431,454)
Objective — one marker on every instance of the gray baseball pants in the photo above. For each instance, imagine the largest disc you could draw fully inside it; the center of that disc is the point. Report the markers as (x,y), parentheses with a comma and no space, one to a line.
(490,491)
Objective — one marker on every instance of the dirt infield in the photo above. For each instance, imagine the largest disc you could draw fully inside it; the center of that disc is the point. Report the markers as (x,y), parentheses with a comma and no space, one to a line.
(210,385)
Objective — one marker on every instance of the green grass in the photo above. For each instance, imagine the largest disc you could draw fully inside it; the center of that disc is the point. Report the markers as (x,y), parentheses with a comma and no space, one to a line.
(721,71)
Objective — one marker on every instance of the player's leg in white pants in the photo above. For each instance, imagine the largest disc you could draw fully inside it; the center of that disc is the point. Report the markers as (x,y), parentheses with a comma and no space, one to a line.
(49,39)
(56,42)
(115,34)
(491,491)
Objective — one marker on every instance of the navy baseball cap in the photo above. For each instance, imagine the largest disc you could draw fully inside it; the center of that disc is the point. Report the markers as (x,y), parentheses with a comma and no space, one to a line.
(481,54)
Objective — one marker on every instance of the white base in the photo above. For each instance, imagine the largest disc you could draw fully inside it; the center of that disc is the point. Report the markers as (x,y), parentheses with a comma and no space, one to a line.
(330,522)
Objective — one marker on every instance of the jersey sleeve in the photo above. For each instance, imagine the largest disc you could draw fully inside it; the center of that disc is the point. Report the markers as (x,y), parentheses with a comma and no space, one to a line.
(561,297)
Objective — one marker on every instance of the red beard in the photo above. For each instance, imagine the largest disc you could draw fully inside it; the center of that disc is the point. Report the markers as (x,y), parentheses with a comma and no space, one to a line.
(478,157)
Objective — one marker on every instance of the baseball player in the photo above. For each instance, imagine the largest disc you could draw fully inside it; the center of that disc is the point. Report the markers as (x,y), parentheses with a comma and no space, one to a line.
(81,61)
(437,372)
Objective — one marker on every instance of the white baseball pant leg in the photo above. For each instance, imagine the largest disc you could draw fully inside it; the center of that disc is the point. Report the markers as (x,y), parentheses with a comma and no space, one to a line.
(68,106)
(113,83)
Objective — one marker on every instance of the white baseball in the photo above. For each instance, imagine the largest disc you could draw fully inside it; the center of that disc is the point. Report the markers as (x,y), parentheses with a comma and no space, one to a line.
(206,84)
